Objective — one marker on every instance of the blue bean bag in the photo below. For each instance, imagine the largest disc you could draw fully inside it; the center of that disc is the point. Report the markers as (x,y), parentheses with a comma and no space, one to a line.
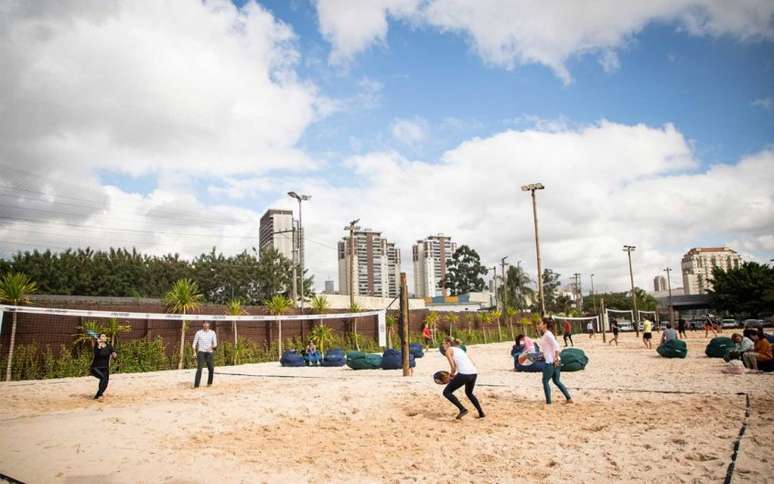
(393,360)
(536,367)
(770,337)
(334,357)
(416,350)
(292,358)
(674,348)
(718,347)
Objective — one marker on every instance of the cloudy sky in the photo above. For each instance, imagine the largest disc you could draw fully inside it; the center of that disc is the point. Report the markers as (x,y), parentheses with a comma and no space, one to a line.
(171,126)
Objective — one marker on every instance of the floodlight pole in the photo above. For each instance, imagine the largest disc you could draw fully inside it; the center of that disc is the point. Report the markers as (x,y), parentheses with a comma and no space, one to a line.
(504,299)
(300,243)
(532,188)
(635,316)
(668,270)
(593,296)
(351,228)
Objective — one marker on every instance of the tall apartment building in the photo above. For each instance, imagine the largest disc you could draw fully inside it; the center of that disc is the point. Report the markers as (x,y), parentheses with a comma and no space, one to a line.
(430,258)
(376,265)
(697,265)
(659,284)
(275,220)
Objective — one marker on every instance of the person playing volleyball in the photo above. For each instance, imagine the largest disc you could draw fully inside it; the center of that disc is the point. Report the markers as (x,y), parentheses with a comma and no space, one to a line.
(462,372)
(100,365)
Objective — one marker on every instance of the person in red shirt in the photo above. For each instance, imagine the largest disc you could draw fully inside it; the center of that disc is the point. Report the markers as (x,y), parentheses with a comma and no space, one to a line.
(427,335)
(567,332)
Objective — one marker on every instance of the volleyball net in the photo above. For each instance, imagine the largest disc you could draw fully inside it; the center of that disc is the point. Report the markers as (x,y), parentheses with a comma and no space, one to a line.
(580,324)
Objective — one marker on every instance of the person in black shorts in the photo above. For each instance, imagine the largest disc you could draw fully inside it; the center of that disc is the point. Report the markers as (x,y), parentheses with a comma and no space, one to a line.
(100,365)
(681,328)
(614,328)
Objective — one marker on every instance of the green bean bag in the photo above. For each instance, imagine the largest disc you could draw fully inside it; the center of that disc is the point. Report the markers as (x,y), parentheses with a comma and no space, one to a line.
(358,360)
(674,348)
(718,346)
(573,359)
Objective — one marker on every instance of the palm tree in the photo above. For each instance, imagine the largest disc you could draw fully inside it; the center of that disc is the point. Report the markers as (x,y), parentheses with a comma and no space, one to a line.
(510,312)
(15,289)
(355,308)
(497,315)
(234,308)
(431,320)
(183,297)
(87,333)
(517,289)
(320,305)
(321,335)
(277,306)
(452,318)
(113,328)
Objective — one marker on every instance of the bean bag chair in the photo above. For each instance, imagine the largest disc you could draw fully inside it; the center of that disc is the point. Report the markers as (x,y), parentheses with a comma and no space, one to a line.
(536,367)
(292,358)
(768,367)
(416,350)
(334,357)
(573,359)
(718,346)
(358,360)
(674,348)
(393,360)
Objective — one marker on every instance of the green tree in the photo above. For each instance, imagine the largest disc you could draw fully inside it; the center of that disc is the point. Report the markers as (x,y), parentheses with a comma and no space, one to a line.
(15,289)
(113,328)
(355,308)
(464,272)
(321,335)
(510,313)
(431,320)
(182,298)
(747,290)
(550,291)
(85,336)
(392,323)
(234,308)
(320,305)
(516,292)
(452,318)
(279,305)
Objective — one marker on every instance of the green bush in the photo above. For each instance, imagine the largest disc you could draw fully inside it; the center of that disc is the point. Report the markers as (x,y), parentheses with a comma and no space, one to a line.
(140,356)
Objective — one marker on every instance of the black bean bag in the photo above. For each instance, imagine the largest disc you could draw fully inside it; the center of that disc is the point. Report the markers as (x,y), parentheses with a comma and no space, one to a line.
(416,350)
(718,347)
(292,358)
(573,359)
(393,360)
(334,357)
(357,360)
(674,348)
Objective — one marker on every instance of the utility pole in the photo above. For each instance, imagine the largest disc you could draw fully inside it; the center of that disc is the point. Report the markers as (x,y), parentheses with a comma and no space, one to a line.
(531,188)
(300,243)
(503,274)
(668,270)
(578,291)
(593,296)
(351,227)
(404,325)
(494,268)
(636,315)
(603,317)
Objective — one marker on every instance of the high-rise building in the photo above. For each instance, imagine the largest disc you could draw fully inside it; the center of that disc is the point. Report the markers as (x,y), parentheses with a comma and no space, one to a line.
(659,284)
(329,289)
(273,221)
(698,263)
(376,265)
(430,258)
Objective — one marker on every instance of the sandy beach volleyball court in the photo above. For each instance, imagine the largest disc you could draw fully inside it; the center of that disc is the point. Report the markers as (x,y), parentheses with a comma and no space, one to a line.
(638,417)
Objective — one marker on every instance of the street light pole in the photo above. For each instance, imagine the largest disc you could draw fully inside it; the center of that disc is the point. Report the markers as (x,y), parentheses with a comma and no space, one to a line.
(593,296)
(579,291)
(351,227)
(504,300)
(300,242)
(636,316)
(494,268)
(531,188)
(668,270)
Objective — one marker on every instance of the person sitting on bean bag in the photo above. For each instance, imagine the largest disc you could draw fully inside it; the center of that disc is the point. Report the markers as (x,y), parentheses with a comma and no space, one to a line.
(742,344)
(761,354)
(311,355)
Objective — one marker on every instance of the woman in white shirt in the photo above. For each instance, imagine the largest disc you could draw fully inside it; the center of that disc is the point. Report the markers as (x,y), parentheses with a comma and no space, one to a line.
(551,352)
(462,372)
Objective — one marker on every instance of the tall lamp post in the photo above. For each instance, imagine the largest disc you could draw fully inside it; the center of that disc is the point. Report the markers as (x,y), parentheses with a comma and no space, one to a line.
(494,268)
(593,297)
(352,227)
(300,242)
(532,188)
(503,274)
(629,249)
(668,270)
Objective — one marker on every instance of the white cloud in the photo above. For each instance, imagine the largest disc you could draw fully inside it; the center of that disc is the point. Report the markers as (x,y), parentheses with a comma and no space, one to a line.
(509,33)
(609,61)
(766,103)
(351,26)
(410,131)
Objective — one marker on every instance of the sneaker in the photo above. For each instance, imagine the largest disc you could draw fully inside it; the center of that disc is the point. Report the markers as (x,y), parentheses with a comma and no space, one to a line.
(462,413)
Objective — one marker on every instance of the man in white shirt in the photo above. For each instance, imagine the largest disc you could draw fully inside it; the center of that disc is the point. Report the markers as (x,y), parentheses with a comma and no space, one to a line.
(204,344)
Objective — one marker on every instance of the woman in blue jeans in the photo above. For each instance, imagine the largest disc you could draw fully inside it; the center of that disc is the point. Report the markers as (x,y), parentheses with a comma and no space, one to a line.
(551,351)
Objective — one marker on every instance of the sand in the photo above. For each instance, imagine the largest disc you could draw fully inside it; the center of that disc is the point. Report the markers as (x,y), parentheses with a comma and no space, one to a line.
(264,423)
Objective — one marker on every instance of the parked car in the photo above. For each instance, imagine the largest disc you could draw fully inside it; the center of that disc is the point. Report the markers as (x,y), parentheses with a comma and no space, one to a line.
(697,323)
(752,323)
(625,326)
(729,323)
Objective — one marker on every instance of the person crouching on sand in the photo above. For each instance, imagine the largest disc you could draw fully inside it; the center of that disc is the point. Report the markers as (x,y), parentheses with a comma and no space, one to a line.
(462,372)
(100,365)
(551,350)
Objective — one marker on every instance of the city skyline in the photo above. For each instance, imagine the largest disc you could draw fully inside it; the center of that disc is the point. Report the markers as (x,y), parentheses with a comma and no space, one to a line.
(418,116)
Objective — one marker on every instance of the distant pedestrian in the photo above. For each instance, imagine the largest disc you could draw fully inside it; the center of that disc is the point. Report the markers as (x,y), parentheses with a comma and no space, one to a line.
(204,344)
(427,335)
(647,333)
(100,364)
(708,326)
(590,329)
(680,328)
(567,333)
(614,328)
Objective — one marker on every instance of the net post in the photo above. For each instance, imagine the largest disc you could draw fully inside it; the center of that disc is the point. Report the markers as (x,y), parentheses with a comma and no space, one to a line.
(604,314)
(404,324)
